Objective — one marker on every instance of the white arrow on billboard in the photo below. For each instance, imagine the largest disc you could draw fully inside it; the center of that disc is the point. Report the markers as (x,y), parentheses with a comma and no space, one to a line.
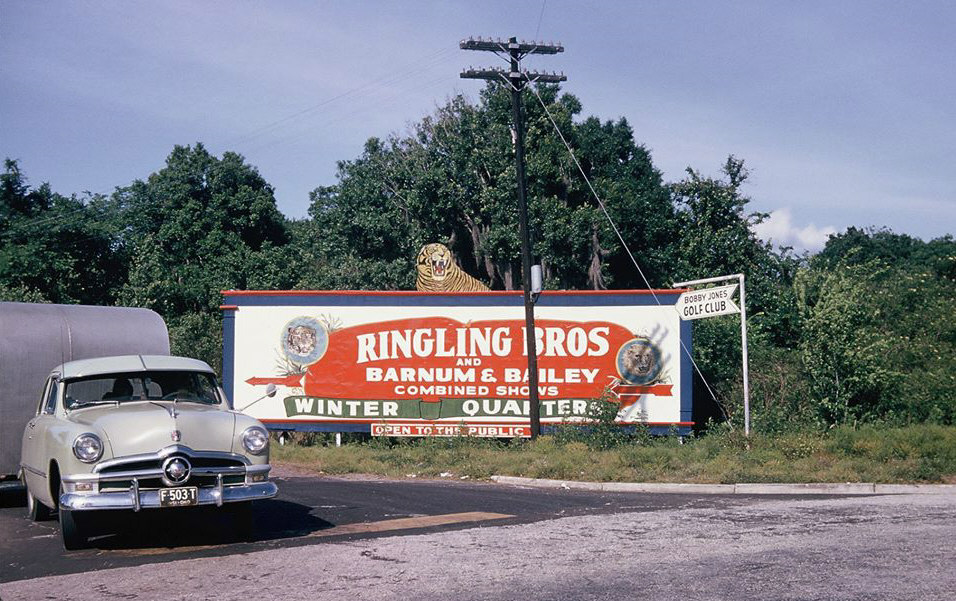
(707,302)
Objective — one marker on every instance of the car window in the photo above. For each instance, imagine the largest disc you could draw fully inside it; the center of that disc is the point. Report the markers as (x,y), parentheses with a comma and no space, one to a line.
(45,396)
(182,386)
(112,387)
(101,389)
(50,405)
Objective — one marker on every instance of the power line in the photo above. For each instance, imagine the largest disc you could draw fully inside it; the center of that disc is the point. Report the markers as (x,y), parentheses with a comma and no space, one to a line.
(540,17)
(30,223)
(331,119)
(621,238)
(429,61)
(517,80)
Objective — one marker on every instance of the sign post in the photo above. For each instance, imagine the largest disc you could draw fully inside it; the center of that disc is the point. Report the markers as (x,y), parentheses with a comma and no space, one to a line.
(711,302)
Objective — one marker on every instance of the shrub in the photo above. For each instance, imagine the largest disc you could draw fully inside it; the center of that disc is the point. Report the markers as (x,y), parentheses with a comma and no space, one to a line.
(600,429)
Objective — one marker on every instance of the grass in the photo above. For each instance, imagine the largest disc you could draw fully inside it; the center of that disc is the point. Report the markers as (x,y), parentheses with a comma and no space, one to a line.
(924,453)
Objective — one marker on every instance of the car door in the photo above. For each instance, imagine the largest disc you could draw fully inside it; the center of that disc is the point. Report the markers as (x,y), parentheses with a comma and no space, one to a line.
(32,453)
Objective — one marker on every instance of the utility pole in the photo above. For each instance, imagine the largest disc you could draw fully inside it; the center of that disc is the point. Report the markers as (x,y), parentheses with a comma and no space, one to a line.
(517,79)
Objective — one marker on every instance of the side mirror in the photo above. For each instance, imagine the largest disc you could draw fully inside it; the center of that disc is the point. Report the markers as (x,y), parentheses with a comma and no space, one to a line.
(270,392)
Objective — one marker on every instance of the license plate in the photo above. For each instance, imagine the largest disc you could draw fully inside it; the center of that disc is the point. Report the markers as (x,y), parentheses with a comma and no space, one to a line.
(178,497)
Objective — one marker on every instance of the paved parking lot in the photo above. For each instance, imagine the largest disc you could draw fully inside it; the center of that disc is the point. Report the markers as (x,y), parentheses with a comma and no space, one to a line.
(559,545)
(366,539)
(308,511)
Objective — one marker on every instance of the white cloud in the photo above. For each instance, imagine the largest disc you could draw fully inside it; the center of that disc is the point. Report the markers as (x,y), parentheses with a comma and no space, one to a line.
(780,230)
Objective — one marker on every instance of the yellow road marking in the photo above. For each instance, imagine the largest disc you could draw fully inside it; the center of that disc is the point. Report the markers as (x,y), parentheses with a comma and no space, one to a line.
(406,523)
(155,550)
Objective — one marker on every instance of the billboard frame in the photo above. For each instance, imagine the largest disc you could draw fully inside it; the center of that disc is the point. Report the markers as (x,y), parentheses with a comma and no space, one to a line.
(235,300)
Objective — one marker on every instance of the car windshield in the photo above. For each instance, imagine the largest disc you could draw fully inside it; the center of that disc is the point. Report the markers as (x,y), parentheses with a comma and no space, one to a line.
(189,386)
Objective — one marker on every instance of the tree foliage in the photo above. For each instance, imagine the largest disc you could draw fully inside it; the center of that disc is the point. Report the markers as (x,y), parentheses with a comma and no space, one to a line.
(857,246)
(54,247)
(198,226)
(452,180)
(861,332)
(879,342)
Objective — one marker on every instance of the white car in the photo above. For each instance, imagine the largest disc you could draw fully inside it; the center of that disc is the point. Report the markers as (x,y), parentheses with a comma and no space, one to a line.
(139,432)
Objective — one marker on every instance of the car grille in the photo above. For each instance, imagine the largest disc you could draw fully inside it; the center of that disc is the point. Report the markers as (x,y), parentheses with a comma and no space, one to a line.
(155,483)
(148,472)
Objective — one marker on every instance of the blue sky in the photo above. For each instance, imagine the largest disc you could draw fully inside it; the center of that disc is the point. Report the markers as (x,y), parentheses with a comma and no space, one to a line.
(844,111)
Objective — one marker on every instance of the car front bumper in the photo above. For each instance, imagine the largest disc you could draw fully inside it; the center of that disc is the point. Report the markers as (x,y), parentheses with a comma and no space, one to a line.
(136,499)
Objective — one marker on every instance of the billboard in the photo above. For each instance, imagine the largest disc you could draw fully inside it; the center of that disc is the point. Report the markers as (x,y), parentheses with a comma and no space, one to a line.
(427,364)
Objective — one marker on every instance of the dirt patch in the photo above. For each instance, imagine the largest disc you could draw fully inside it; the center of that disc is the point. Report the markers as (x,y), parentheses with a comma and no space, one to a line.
(285,470)
(293,470)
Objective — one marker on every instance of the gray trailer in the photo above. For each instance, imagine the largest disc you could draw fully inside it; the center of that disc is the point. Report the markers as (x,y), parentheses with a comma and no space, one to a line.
(35,338)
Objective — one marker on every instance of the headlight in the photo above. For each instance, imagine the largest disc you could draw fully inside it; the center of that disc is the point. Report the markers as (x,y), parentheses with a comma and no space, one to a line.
(88,448)
(255,439)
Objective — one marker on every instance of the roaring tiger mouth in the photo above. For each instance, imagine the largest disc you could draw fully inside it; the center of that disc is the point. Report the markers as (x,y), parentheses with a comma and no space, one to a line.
(438,268)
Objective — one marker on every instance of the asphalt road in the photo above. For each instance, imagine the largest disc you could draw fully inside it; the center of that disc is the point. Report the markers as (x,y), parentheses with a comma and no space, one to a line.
(361,539)
(308,511)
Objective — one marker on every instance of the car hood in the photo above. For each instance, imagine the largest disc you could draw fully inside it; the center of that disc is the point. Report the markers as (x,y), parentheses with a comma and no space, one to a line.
(146,427)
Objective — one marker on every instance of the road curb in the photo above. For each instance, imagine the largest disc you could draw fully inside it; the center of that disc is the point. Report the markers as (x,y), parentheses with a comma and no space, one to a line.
(821,488)
(926,489)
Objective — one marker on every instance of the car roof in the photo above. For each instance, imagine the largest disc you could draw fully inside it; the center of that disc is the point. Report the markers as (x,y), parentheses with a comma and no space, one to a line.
(129,363)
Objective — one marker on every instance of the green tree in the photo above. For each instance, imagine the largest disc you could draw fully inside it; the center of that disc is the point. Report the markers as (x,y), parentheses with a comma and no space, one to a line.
(21,294)
(716,238)
(453,180)
(879,343)
(857,246)
(198,226)
(56,248)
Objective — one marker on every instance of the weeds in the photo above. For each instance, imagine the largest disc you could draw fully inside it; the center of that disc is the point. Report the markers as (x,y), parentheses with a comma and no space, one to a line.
(599,429)
(912,454)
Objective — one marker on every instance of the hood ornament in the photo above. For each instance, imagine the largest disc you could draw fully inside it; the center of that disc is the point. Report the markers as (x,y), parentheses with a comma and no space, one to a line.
(171,409)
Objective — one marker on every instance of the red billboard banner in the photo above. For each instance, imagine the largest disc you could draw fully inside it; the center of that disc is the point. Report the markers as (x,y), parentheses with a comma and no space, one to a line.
(434,358)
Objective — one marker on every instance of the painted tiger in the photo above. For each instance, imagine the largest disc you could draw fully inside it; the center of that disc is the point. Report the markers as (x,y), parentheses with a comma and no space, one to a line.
(438,272)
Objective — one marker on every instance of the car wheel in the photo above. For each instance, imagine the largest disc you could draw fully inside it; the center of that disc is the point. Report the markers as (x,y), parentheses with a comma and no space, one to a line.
(70,525)
(36,511)
(73,537)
